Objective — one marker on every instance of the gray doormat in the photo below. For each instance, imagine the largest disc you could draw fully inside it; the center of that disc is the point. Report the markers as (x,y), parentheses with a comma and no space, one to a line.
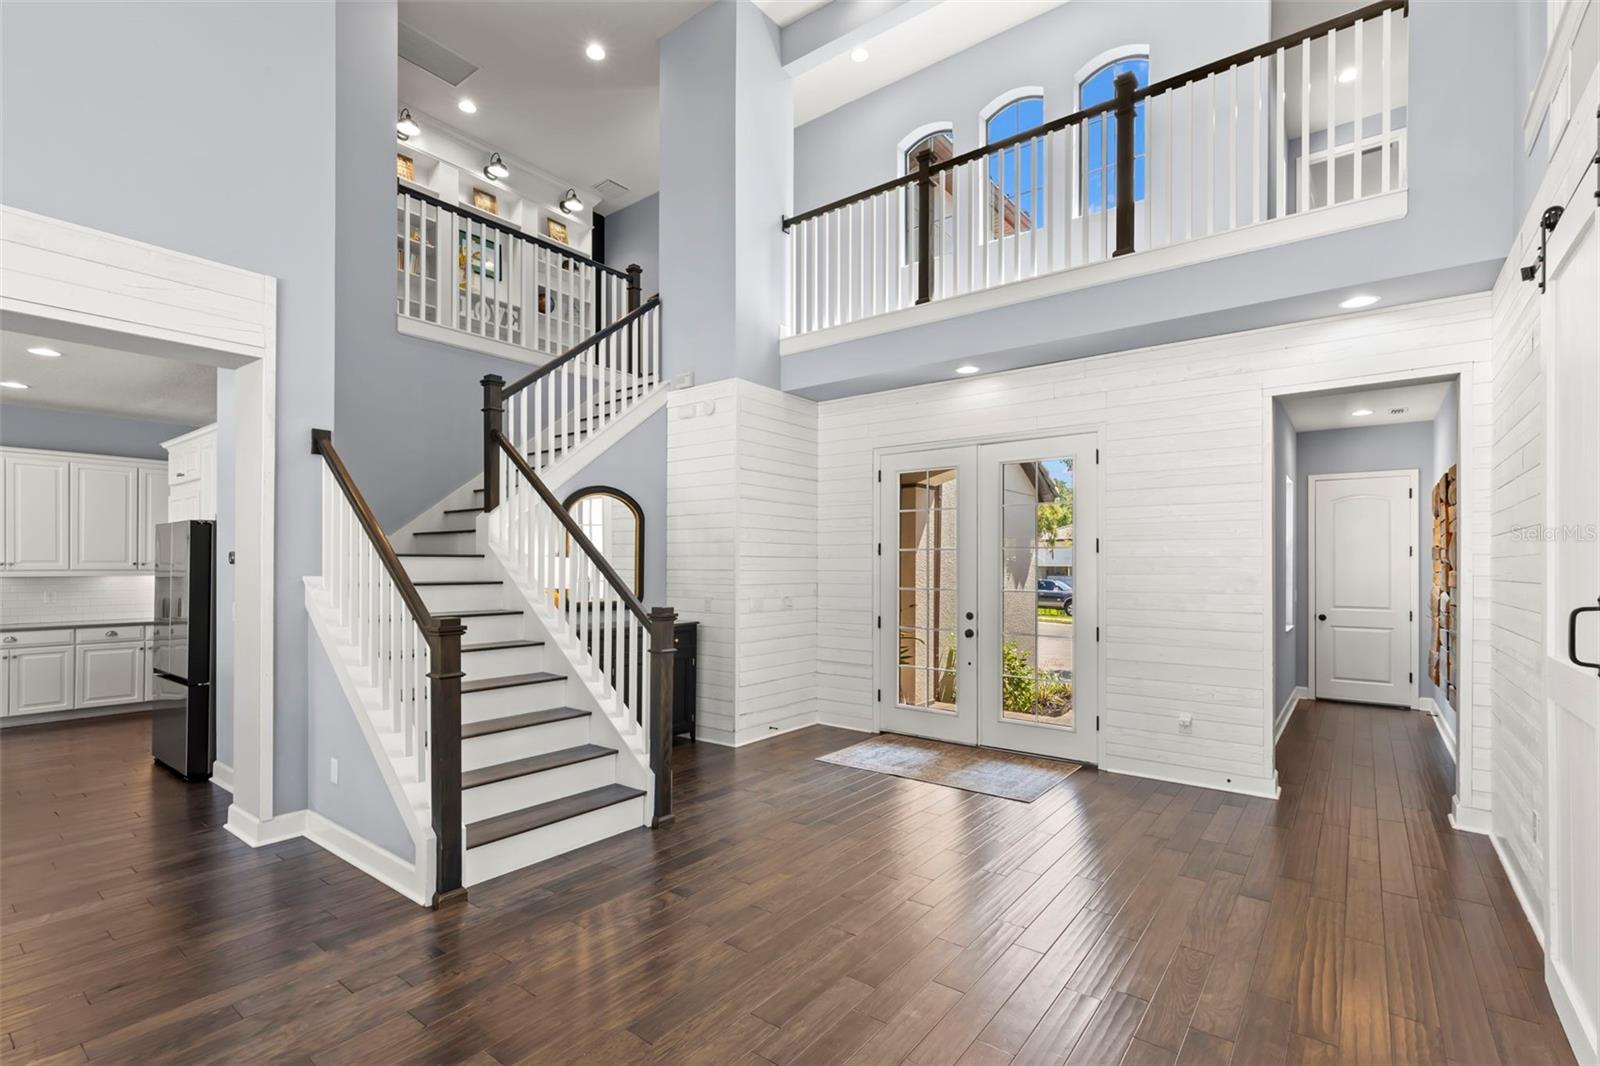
(984,770)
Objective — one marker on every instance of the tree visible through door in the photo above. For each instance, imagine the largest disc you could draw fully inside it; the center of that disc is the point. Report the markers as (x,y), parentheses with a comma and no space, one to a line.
(1037,591)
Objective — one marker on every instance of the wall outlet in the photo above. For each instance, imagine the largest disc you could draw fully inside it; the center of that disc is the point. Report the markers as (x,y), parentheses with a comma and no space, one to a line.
(333,771)
(1186,723)
(49,596)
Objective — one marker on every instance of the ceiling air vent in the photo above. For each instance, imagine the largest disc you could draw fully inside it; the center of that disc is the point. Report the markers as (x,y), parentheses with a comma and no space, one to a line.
(1398,410)
(611,190)
(433,57)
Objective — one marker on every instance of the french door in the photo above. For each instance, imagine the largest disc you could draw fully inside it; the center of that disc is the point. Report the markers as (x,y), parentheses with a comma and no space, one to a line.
(1570,338)
(987,592)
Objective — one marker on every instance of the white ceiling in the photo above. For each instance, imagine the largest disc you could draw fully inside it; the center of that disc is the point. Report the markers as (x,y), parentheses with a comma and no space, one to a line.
(539,97)
(783,12)
(1331,410)
(107,381)
(902,42)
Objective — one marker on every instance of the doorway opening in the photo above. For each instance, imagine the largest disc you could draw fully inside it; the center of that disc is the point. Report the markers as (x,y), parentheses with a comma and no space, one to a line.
(987,592)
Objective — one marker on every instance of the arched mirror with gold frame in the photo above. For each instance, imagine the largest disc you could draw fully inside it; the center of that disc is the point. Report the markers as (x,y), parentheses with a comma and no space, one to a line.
(614,523)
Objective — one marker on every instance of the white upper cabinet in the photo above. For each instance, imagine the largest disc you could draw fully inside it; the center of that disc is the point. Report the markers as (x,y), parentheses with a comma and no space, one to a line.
(36,512)
(152,512)
(105,511)
(192,474)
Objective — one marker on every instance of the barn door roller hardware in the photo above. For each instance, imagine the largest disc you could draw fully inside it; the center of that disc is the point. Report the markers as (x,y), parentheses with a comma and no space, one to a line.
(1547,222)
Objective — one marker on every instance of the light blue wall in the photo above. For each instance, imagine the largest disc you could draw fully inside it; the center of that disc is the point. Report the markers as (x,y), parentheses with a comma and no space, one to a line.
(633,235)
(1284,465)
(1405,446)
(24,426)
(206,128)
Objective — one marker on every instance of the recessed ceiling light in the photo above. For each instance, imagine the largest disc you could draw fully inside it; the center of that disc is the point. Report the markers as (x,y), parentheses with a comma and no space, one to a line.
(596,51)
(859,54)
(966,368)
(406,127)
(1347,75)
(467,106)
(45,353)
(1361,412)
(12,385)
(1360,300)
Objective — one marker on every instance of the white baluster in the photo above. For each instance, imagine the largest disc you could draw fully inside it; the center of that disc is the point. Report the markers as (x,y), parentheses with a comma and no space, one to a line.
(1359,114)
(1333,117)
(1388,78)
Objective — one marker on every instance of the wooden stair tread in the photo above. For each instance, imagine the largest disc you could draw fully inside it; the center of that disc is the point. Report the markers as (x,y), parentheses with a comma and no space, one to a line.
(495,613)
(533,764)
(439,584)
(462,510)
(519,721)
(440,532)
(540,815)
(490,684)
(440,555)
(500,645)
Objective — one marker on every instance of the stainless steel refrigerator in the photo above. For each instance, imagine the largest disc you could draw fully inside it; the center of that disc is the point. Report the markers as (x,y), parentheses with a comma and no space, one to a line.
(183,722)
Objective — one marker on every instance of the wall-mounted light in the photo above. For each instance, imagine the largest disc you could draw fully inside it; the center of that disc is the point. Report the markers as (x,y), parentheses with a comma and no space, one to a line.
(406,128)
(44,353)
(570,202)
(496,168)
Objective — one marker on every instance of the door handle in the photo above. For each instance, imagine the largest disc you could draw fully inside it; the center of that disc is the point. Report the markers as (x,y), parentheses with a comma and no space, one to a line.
(972,633)
(1322,618)
(1572,637)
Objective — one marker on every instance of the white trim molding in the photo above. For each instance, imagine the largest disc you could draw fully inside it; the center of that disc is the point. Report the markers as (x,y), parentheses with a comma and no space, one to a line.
(1003,101)
(222,775)
(259,832)
(1554,74)
(382,865)
(1286,712)
(1105,59)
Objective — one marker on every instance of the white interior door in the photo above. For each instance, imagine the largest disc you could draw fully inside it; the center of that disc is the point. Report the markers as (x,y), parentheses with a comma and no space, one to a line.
(1570,338)
(1363,555)
(1037,656)
(928,592)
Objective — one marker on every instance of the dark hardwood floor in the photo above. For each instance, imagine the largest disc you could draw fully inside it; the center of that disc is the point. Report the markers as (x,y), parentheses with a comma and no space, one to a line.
(798,912)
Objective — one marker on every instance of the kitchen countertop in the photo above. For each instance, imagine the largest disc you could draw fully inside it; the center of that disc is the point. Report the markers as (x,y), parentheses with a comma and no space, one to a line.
(76,625)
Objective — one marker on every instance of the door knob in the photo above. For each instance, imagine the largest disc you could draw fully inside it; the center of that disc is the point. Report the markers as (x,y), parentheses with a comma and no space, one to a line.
(1322,618)
(970,634)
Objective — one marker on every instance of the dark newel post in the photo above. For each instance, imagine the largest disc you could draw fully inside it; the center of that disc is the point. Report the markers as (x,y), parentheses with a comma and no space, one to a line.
(662,651)
(494,407)
(924,226)
(635,285)
(1125,84)
(444,741)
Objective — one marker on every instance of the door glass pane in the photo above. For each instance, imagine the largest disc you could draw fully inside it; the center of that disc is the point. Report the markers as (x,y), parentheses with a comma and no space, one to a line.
(926,583)
(1036,580)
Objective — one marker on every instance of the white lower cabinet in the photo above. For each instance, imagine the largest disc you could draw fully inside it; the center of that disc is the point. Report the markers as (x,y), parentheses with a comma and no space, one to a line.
(40,680)
(109,674)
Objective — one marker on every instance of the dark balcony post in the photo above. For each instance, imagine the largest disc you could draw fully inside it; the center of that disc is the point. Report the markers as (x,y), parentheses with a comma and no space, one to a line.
(924,226)
(635,286)
(663,649)
(444,762)
(1125,85)
(494,405)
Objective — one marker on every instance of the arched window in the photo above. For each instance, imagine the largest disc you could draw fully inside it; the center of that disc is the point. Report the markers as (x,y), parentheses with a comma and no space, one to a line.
(1016,174)
(1100,133)
(942,143)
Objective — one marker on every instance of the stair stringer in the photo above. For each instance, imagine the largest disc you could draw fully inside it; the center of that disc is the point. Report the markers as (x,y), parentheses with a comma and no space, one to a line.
(414,880)
(610,723)
(564,469)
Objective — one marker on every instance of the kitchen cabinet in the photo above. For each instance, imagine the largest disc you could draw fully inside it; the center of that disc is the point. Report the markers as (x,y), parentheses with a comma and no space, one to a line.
(152,512)
(192,474)
(40,680)
(105,516)
(36,512)
(109,673)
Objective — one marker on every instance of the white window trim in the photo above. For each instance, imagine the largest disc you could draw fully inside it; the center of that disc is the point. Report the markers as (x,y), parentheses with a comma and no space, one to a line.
(928,130)
(1105,59)
(1080,185)
(1003,101)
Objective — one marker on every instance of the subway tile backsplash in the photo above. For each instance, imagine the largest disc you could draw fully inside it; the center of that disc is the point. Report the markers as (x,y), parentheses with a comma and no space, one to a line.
(26,601)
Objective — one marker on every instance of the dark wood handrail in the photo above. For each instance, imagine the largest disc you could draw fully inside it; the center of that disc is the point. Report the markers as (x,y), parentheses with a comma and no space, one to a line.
(508,230)
(1177,81)
(582,346)
(443,636)
(625,594)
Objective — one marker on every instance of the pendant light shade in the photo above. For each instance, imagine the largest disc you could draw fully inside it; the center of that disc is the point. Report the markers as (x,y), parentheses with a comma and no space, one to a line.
(496,168)
(406,128)
(570,202)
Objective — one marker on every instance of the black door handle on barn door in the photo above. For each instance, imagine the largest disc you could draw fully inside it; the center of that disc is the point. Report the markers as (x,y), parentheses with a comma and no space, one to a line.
(1572,637)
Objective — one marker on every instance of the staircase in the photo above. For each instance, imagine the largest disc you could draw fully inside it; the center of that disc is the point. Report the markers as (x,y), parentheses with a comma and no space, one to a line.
(553,731)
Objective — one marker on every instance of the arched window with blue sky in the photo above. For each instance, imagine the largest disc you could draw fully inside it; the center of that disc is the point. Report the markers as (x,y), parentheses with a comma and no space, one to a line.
(1100,134)
(1016,174)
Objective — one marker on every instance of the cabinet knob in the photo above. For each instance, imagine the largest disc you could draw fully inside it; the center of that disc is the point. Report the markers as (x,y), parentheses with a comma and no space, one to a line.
(111,632)
(11,640)
(180,473)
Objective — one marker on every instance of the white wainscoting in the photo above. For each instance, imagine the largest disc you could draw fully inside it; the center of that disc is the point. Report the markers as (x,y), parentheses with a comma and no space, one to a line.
(742,553)
(1184,598)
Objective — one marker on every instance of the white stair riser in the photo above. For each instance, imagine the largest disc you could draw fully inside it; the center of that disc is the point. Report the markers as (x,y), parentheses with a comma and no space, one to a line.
(499,702)
(525,849)
(503,797)
(446,568)
(478,752)
(448,599)
(502,663)
(494,628)
(445,542)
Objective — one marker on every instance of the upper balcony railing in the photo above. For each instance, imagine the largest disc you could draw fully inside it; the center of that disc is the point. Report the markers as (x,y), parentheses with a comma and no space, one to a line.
(1301,124)
(460,270)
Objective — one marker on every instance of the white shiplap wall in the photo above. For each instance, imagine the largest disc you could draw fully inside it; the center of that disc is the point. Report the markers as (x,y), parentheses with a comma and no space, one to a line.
(1184,592)
(742,553)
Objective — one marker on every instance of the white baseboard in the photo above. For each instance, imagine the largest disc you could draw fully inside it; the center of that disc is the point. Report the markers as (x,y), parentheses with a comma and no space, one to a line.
(722,739)
(1520,889)
(259,833)
(1266,788)
(375,862)
(1439,722)
(1584,1047)
(1286,712)
(222,775)
(1470,819)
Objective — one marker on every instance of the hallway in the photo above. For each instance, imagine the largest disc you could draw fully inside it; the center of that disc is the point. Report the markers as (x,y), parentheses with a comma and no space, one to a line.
(797,912)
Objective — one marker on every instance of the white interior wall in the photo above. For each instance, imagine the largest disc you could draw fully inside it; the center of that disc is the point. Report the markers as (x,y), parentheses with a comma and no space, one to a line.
(1184,599)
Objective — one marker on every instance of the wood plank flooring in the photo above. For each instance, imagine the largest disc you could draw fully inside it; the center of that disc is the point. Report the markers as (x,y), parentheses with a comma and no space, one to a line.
(797,913)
